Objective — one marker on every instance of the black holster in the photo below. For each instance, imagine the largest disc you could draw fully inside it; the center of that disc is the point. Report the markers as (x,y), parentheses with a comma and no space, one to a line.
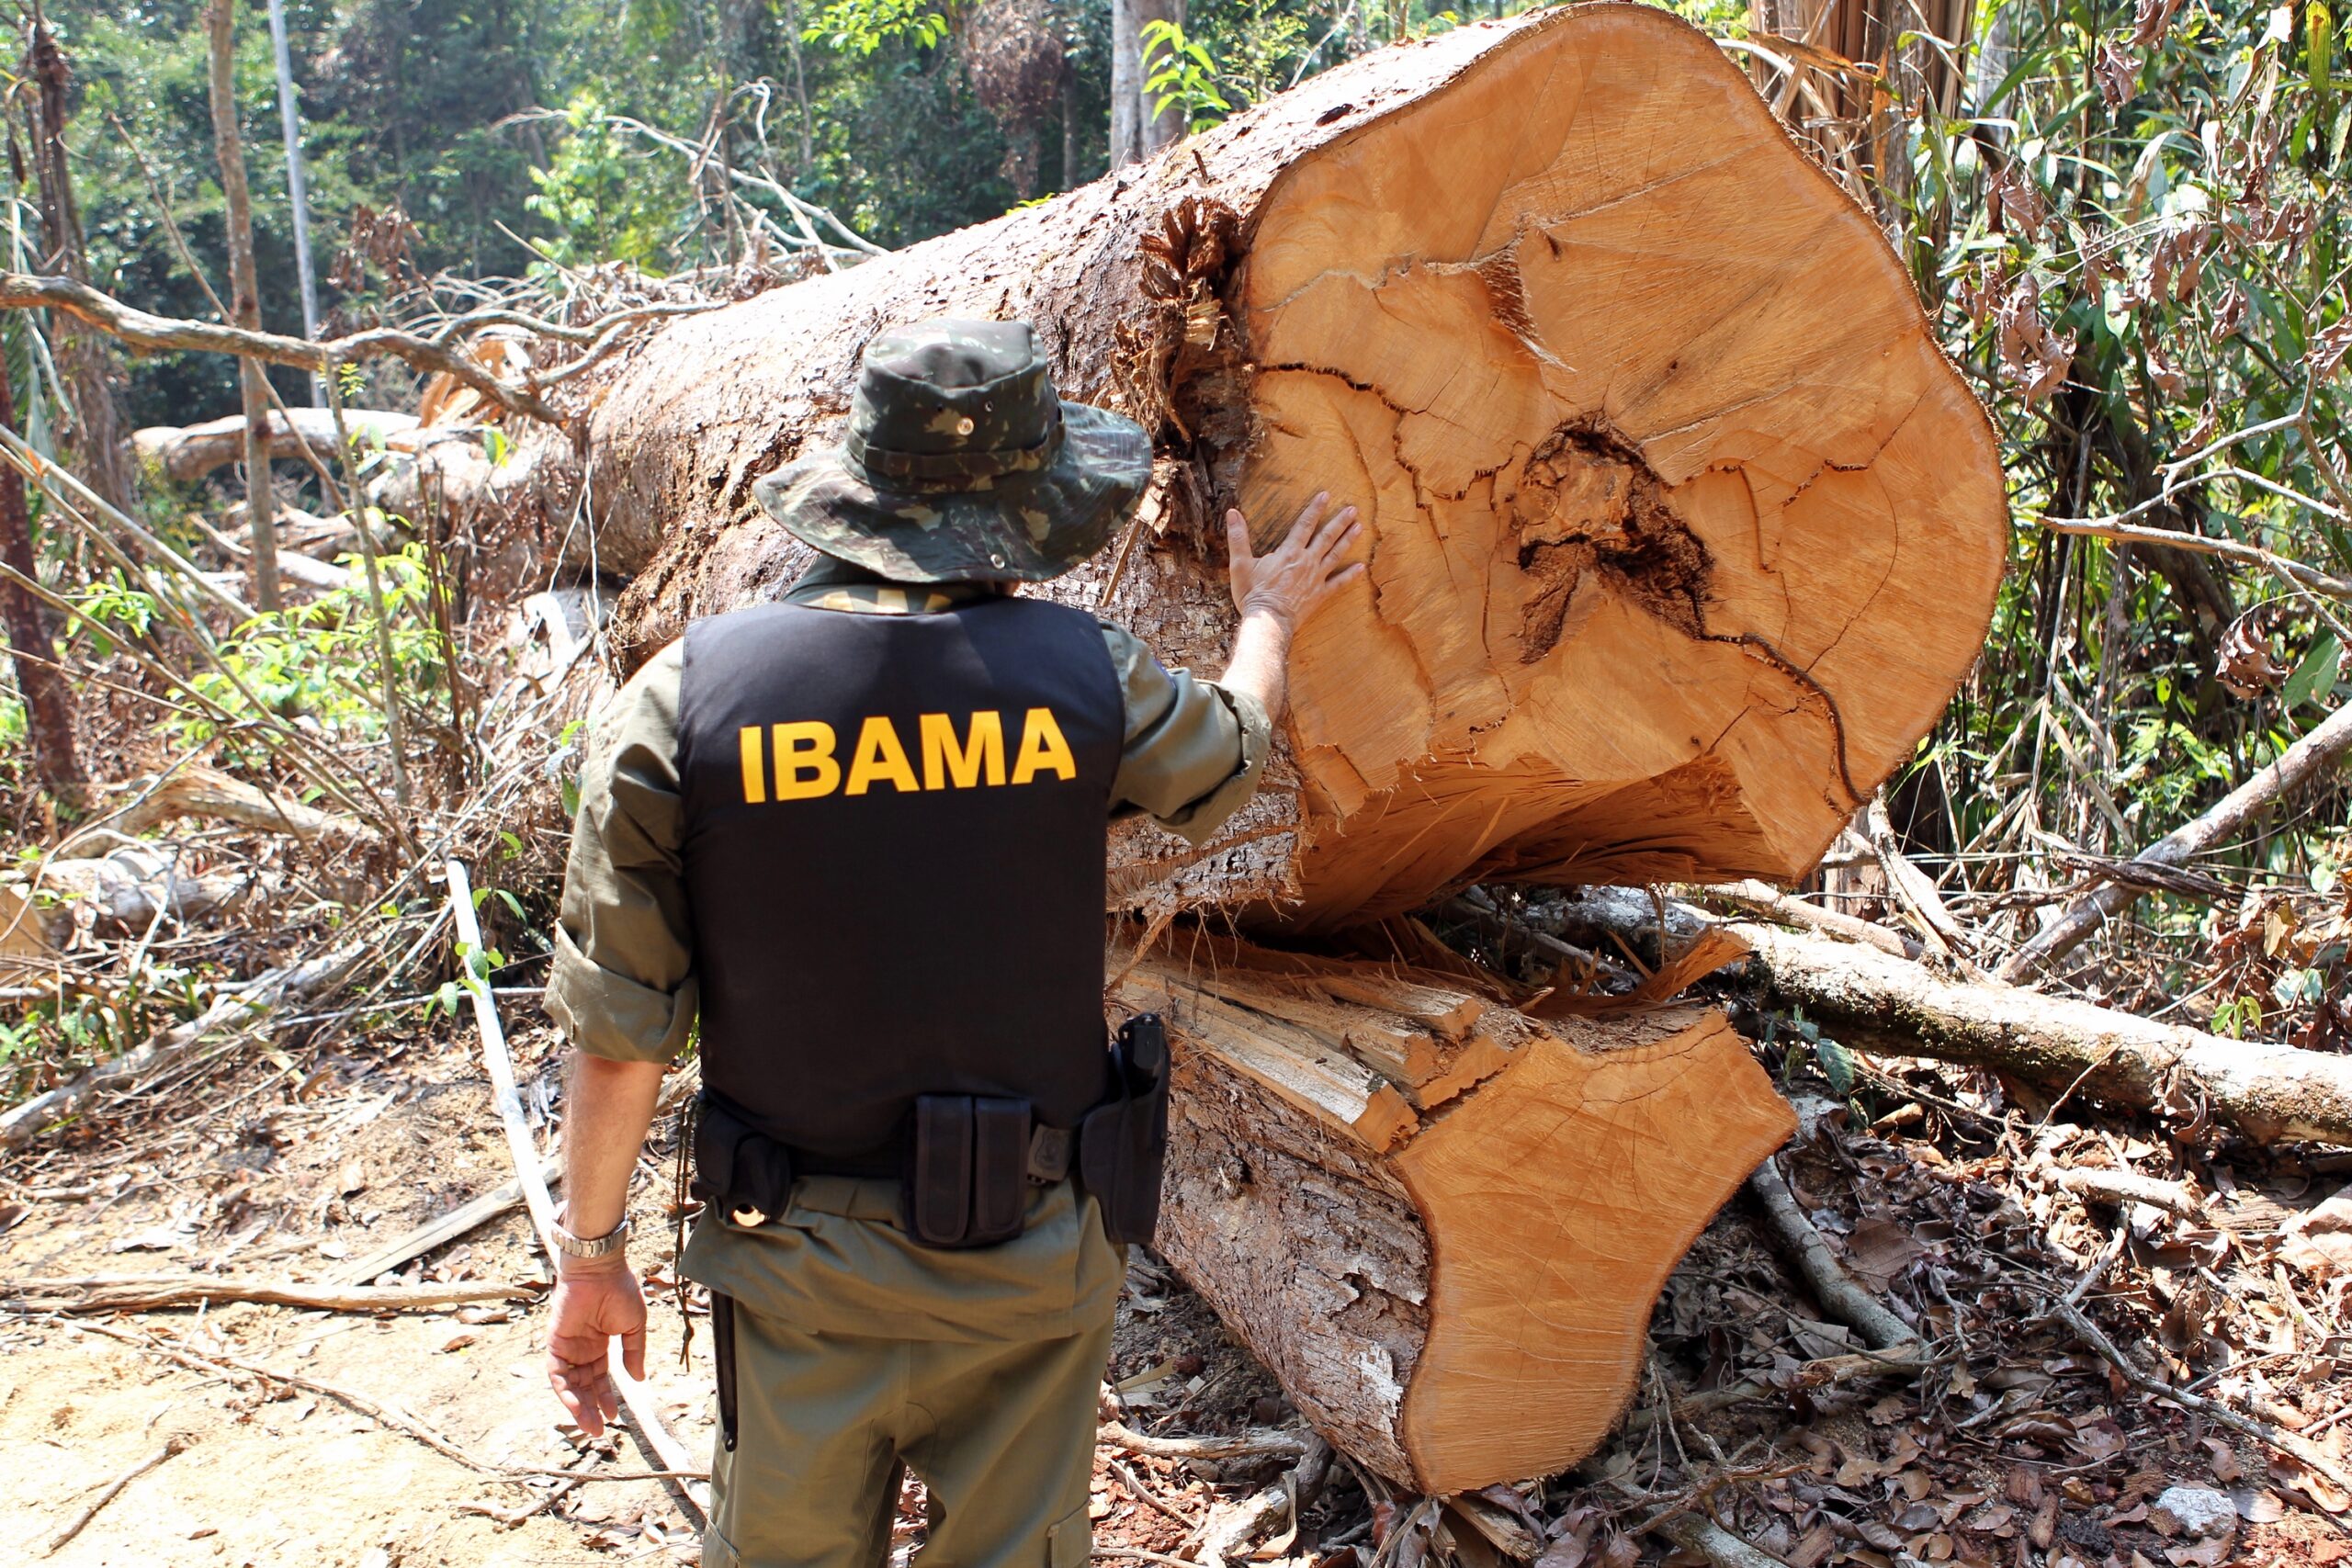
(736,1165)
(1122,1143)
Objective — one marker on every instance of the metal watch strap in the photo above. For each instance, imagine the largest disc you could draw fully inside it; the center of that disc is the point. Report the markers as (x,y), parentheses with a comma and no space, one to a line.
(604,1245)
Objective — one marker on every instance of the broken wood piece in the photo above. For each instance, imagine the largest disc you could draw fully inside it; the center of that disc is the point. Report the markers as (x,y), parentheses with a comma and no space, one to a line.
(2124,1187)
(149,1293)
(131,887)
(2307,761)
(1835,1290)
(1871,1002)
(112,1489)
(185,453)
(1568,391)
(1696,1532)
(448,1228)
(635,1396)
(1913,890)
(198,791)
(1232,1527)
(1259,1444)
(1558,1186)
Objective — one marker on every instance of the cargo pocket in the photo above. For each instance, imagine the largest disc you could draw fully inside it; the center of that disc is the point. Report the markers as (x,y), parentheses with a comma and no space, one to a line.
(1071,1543)
(722,1355)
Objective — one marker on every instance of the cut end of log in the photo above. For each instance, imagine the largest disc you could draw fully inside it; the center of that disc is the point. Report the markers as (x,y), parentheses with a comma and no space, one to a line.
(1440,1222)
(1684,530)
(1680,529)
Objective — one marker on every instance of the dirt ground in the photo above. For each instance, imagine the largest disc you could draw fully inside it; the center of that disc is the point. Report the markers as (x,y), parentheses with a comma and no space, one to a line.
(288,1167)
(2014,1448)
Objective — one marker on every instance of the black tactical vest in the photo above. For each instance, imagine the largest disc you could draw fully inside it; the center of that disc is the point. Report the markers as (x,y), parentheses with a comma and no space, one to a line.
(893,853)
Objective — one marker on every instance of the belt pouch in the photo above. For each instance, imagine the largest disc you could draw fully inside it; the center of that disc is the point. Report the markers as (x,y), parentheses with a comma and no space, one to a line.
(722,1354)
(939,1186)
(1000,1170)
(735,1164)
(1122,1143)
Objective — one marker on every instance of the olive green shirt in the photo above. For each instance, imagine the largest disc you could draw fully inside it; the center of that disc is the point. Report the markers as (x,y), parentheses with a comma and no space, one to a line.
(623,983)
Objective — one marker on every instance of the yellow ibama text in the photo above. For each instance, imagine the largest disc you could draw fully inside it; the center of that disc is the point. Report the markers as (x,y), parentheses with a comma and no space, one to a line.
(801,760)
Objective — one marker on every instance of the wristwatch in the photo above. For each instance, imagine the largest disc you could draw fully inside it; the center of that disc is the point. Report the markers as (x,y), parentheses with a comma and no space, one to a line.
(604,1245)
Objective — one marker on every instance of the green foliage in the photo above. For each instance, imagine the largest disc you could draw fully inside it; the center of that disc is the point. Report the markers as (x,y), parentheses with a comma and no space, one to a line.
(601,196)
(861,26)
(1179,71)
(318,661)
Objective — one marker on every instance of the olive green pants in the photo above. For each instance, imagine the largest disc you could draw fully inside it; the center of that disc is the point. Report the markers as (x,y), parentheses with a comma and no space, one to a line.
(857,1353)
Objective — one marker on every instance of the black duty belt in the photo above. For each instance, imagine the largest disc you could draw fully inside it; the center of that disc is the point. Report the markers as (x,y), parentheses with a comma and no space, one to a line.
(968,1164)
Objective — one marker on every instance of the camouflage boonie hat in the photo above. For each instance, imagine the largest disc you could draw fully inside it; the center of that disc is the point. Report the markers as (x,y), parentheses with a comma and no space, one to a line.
(961,465)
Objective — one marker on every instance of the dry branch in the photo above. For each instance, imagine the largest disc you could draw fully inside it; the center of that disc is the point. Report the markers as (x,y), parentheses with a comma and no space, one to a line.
(188,453)
(1835,1288)
(293,982)
(448,1228)
(133,1292)
(2296,768)
(113,1489)
(200,791)
(25,291)
(1873,1001)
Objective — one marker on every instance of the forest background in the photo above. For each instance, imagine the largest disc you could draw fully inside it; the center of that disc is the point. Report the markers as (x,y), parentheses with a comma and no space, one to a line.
(2128,223)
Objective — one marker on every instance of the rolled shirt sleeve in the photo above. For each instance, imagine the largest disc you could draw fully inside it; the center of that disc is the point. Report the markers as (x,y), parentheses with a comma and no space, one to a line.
(1194,749)
(623,986)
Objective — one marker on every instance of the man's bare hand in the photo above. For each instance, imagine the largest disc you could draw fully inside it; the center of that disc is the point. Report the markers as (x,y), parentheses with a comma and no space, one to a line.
(594,1304)
(1306,568)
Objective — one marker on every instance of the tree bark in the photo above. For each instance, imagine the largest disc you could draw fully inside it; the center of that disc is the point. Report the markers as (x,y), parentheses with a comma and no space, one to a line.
(1681,529)
(2300,765)
(1440,1224)
(186,453)
(244,302)
(48,706)
(1872,1001)
(85,359)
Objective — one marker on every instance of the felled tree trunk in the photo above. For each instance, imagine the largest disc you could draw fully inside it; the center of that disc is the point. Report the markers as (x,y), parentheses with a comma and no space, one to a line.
(185,453)
(1440,1223)
(1681,529)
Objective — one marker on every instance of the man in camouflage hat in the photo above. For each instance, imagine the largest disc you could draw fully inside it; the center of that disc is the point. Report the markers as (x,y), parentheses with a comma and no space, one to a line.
(857,836)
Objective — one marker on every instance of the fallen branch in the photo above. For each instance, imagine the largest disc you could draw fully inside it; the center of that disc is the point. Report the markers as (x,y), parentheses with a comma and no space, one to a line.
(2196,544)
(2302,1450)
(2126,1186)
(1696,1532)
(1835,1288)
(113,1489)
(2301,764)
(292,982)
(501,1068)
(1872,1001)
(1915,891)
(28,291)
(198,791)
(1240,1523)
(1770,902)
(1260,1443)
(221,1364)
(133,1292)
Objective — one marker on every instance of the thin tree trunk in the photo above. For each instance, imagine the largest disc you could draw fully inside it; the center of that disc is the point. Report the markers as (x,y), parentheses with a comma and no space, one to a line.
(84,358)
(1127,81)
(49,707)
(244,299)
(1169,124)
(297,190)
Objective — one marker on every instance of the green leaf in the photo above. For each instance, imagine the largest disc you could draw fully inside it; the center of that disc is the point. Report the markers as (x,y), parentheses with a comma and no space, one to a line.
(2315,676)
(1837,1064)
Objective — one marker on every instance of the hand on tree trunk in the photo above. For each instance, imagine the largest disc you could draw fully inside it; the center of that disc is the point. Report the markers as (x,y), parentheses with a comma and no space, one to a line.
(1278,591)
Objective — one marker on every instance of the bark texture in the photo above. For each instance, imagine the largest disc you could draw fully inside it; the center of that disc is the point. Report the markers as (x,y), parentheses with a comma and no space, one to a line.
(244,301)
(49,704)
(1440,1223)
(1873,1001)
(1681,530)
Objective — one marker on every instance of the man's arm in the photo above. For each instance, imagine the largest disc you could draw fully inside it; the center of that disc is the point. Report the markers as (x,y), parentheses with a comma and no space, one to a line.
(1277,591)
(622,990)
(608,1111)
